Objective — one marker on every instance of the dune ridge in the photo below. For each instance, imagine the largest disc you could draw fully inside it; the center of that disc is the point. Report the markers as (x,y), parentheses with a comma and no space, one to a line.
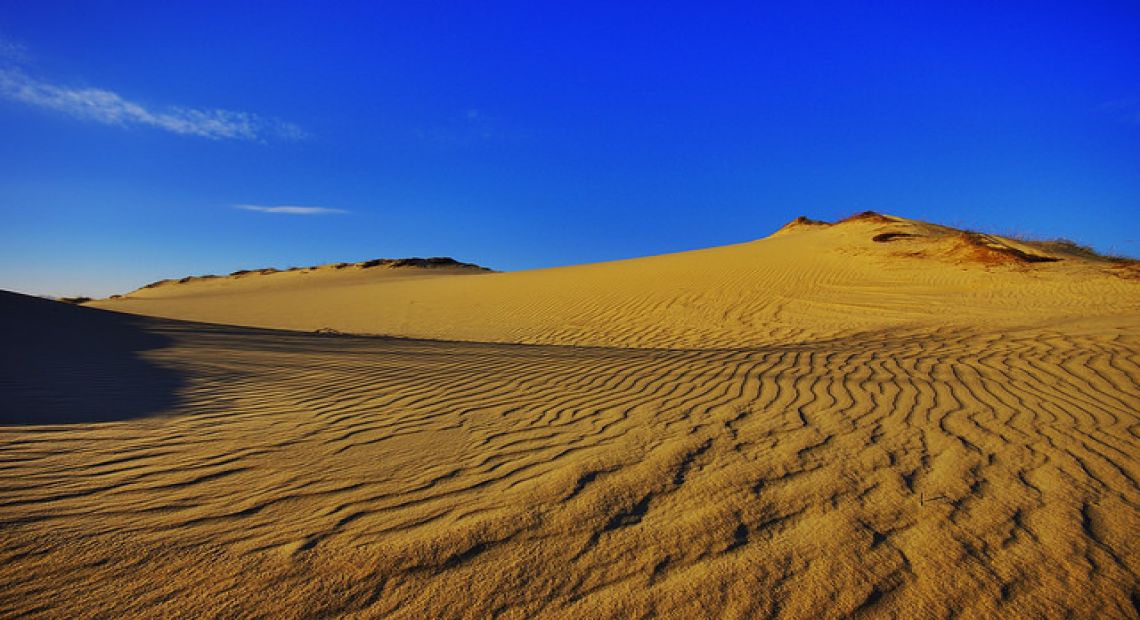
(805,282)
(434,263)
(817,424)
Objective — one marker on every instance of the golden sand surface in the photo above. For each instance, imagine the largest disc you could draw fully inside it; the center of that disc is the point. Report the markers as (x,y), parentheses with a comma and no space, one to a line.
(812,425)
(805,283)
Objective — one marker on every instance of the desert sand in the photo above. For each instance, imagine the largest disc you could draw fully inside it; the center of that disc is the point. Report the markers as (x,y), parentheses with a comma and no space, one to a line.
(875,418)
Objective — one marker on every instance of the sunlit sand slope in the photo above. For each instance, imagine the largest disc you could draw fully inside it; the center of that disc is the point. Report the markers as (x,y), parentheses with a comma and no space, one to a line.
(807,282)
(968,471)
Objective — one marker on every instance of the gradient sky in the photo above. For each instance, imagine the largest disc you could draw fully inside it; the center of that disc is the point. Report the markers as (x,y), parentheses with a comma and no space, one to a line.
(521,136)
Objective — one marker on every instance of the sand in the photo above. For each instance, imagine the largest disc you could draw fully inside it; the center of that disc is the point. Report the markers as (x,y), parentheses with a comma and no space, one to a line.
(815,424)
(804,284)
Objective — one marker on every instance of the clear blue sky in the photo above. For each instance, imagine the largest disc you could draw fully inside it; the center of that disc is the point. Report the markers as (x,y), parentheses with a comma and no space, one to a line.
(522,135)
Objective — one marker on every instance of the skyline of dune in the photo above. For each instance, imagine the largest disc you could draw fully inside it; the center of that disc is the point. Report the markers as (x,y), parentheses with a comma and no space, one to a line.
(808,279)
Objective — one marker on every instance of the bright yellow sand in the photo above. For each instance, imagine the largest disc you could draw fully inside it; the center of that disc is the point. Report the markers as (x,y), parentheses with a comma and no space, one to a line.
(809,425)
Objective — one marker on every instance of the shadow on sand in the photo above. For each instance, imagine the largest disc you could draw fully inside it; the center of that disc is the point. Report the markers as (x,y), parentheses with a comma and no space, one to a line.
(64,364)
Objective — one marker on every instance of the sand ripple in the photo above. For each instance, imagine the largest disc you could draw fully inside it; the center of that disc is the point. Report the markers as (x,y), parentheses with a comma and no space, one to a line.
(910,474)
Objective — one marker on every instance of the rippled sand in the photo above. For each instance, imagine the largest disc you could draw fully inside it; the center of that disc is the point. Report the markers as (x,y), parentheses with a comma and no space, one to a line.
(921,430)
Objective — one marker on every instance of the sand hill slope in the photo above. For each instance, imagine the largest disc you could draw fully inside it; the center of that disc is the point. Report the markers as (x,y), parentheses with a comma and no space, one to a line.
(928,426)
(808,281)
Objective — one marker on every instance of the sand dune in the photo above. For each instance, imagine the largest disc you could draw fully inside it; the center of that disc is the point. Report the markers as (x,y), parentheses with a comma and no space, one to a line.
(816,424)
(804,283)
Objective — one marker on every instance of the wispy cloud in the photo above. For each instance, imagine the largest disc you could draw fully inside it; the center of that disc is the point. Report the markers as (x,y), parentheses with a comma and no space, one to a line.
(110,108)
(291,210)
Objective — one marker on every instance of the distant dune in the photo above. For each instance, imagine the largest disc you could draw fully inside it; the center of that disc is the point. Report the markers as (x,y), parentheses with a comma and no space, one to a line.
(872,418)
(808,281)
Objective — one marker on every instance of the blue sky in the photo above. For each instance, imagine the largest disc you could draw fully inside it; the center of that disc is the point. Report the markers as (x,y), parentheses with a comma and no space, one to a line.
(143,141)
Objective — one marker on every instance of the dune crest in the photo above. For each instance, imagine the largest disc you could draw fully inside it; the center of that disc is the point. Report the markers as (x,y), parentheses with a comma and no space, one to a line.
(810,280)
(438,264)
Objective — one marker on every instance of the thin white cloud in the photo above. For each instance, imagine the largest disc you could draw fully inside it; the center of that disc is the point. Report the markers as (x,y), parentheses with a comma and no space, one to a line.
(290,210)
(110,108)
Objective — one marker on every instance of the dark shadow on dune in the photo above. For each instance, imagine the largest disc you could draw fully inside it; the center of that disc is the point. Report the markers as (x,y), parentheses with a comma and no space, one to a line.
(65,364)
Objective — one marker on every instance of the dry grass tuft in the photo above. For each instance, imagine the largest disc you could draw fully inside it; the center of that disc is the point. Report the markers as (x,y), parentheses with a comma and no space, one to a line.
(869,216)
(891,236)
(990,250)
